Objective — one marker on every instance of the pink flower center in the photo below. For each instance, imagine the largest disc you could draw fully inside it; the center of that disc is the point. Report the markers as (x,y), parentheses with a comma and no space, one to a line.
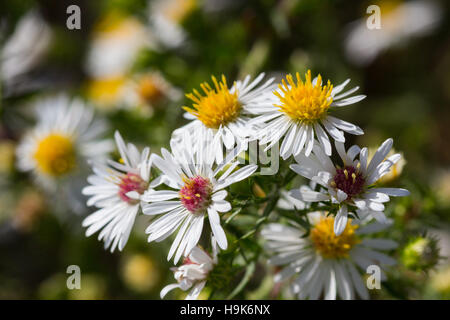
(349,180)
(131,182)
(196,194)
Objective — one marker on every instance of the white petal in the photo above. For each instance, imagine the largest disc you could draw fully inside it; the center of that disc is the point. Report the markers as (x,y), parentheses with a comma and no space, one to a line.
(193,295)
(340,221)
(308,195)
(160,207)
(222,206)
(394,192)
(219,234)
(168,288)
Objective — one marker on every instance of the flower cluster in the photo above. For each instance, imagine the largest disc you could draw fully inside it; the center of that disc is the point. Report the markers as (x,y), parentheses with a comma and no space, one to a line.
(182,187)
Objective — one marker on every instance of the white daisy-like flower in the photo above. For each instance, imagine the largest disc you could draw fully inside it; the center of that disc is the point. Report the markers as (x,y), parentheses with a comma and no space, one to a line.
(322,264)
(65,136)
(193,273)
(116,190)
(350,184)
(197,190)
(300,111)
(399,22)
(220,115)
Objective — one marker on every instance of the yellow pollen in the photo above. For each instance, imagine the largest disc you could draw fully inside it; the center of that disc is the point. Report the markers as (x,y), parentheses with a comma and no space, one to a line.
(346,173)
(330,246)
(55,155)
(217,107)
(303,101)
(354,177)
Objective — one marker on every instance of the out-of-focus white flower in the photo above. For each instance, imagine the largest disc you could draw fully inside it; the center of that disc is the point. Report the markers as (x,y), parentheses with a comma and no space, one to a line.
(116,42)
(25,47)
(324,264)
(144,91)
(300,111)
(350,184)
(399,22)
(147,91)
(220,115)
(116,190)
(165,18)
(396,169)
(193,273)
(57,149)
(197,190)
(65,136)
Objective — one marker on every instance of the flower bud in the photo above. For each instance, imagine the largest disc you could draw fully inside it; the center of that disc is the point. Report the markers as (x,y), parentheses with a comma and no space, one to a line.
(421,253)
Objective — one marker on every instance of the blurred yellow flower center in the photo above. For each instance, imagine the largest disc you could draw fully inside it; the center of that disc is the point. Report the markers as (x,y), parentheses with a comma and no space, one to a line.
(55,155)
(106,91)
(217,107)
(117,25)
(303,101)
(177,10)
(149,89)
(327,244)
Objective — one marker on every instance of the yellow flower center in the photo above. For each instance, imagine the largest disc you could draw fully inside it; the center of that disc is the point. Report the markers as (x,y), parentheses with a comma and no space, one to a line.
(55,155)
(330,246)
(217,106)
(303,101)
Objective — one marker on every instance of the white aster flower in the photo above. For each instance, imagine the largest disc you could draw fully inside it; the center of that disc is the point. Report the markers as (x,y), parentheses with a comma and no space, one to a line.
(197,190)
(65,136)
(193,273)
(116,190)
(399,22)
(220,115)
(322,264)
(300,111)
(350,184)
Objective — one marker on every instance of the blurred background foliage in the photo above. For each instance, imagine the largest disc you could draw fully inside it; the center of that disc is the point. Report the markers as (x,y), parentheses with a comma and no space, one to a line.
(408,89)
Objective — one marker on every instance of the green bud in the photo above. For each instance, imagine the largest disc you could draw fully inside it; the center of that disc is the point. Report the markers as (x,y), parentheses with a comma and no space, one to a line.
(420,254)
